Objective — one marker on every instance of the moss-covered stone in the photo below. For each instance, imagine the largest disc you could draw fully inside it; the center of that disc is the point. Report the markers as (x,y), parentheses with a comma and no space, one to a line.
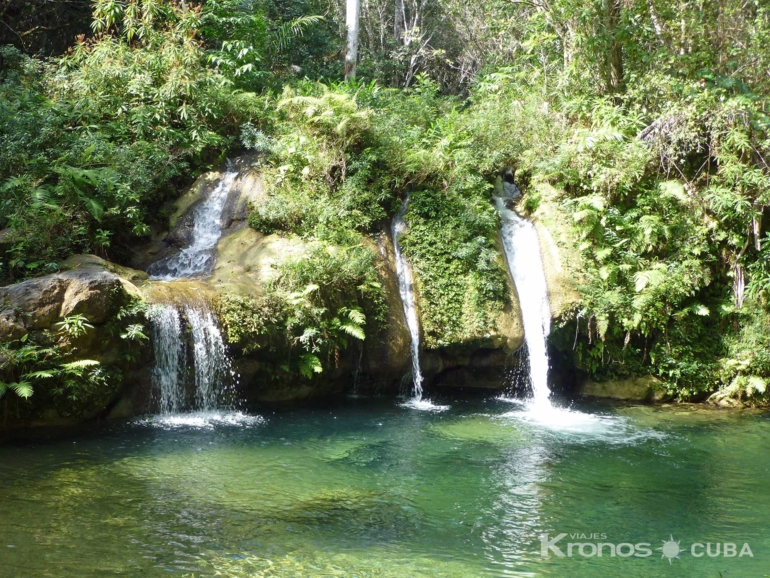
(247,260)
(645,388)
(91,288)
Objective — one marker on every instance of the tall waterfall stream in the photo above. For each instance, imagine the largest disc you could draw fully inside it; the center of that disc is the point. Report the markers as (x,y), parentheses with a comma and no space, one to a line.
(522,252)
(406,291)
(203,361)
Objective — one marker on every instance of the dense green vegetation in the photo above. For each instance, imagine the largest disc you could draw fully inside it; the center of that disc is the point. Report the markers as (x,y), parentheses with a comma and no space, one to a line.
(320,302)
(650,118)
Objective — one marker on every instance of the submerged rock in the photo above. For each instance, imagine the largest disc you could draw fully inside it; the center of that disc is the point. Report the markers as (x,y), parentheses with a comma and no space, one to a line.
(645,388)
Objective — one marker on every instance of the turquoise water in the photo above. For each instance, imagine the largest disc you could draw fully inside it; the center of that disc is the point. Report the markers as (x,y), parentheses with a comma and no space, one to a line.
(367,488)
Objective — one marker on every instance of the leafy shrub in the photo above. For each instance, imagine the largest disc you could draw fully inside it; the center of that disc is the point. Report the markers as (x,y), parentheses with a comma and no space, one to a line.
(318,303)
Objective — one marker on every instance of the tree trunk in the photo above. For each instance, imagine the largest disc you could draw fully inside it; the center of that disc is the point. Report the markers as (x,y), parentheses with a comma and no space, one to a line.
(656,23)
(351,19)
(398,21)
(614,57)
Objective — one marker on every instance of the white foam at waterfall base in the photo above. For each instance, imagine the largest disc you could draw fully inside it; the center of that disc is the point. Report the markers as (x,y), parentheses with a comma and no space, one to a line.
(578,426)
(522,252)
(198,257)
(203,420)
(406,291)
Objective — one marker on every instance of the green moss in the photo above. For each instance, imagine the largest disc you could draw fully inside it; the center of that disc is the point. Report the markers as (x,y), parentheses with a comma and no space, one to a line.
(459,274)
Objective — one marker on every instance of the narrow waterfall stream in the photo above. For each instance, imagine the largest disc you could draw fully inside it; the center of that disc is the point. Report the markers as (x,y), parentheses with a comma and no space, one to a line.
(198,258)
(179,317)
(522,252)
(406,290)
(168,373)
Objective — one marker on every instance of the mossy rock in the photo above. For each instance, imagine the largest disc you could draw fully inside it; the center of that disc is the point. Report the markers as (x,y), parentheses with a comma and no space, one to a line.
(247,260)
(645,388)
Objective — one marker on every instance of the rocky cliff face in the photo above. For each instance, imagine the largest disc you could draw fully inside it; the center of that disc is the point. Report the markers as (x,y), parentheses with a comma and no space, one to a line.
(248,260)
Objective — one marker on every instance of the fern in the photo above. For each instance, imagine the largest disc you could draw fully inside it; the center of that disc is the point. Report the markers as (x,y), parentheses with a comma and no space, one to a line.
(309,364)
(80,364)
(293,29)
(42,374)
(357,316)
(21,388)
(353,330)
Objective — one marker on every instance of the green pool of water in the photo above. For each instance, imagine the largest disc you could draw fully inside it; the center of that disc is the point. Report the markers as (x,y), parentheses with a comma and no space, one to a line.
(366,488)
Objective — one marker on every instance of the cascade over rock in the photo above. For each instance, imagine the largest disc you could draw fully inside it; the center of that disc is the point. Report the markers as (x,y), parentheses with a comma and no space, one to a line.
(558,250)
(246,260)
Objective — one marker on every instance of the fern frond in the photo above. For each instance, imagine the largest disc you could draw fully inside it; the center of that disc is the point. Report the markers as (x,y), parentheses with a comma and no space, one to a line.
(353,330)
(23,389)
(357,316)
(309,364)
(79,364)
(44,374)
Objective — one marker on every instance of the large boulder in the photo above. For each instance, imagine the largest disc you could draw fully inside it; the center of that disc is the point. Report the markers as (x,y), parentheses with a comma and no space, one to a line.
(247,260)
(91,287)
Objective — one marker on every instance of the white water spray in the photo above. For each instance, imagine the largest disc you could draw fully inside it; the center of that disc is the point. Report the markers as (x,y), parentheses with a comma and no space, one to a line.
(406,289)
(169,357)
(211,361)
(198,258)
(522,252)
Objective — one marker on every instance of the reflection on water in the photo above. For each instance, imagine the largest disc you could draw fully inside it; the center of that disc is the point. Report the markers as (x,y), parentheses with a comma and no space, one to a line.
(369,488)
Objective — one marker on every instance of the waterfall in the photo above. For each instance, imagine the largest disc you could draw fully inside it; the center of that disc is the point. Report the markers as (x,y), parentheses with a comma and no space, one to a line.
(169,357)
(209,355)
(210,363)
(198,258)
(406,289)
(183,315)
(522,252)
